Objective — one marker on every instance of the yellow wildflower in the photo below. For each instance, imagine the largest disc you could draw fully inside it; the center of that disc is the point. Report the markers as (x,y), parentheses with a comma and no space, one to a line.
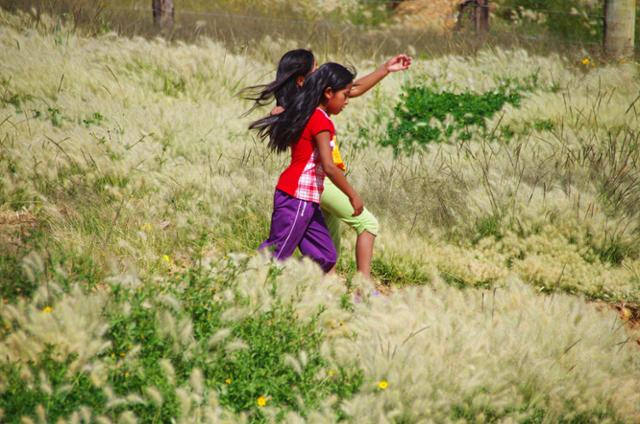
(166,259)
(586,61)
(383,384)
(122,354)
(227,381)
(47,309)
(332,373)
(146,227)
(261,401)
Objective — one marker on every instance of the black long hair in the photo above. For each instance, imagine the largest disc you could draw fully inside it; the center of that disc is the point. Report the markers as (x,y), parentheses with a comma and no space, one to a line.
(293,64)
(285,128)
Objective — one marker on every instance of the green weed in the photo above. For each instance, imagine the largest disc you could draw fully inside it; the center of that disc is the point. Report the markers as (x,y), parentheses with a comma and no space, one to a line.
(57,393)
(240,377)
(488,226)
(426,116)
(94,119)
(398,271)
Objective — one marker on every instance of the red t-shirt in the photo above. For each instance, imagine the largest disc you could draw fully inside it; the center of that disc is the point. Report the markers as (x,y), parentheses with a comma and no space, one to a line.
(304,178)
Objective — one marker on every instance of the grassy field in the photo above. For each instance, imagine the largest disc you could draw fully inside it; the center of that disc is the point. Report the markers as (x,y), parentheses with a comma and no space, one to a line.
(132,200)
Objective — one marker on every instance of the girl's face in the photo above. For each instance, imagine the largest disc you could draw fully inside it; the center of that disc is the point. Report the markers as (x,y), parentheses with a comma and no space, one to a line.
(337,100)
(301,79)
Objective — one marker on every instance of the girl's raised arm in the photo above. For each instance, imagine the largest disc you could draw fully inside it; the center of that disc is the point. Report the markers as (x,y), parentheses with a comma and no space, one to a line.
(335,174)
(397,63)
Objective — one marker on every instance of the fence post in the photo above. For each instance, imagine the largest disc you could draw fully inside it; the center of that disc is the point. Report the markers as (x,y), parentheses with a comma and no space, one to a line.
(482,16)
(619,28)
(163,13)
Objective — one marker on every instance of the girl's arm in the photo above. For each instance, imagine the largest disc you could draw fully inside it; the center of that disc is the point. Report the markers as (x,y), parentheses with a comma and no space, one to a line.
(395,64)
(335,174)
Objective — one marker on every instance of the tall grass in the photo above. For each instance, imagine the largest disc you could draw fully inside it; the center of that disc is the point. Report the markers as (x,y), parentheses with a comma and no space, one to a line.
(133,289)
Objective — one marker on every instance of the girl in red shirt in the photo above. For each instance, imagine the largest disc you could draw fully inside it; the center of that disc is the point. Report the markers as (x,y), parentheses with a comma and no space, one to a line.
(306,128)
(294,67)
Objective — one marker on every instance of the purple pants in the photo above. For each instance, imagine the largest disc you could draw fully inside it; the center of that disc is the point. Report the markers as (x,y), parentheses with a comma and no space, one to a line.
(299,223)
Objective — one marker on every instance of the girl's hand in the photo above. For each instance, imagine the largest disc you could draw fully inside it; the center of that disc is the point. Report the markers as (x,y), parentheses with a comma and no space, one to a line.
(357,204)
(397,63)
(277,110)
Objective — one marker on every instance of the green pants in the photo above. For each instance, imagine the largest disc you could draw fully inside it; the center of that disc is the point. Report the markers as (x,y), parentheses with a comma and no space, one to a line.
(336,207)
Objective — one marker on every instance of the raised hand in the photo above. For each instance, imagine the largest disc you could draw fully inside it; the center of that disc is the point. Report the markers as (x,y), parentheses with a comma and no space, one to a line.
(397,63)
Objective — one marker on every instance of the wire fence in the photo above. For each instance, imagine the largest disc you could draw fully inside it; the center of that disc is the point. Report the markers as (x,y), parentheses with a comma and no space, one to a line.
(308,23)
(341,23)
(243,28)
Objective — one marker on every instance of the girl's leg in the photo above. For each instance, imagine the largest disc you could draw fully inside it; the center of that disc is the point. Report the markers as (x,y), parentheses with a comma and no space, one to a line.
(289,222)
(316,242)
(364,252)
(333,224)
(335,203)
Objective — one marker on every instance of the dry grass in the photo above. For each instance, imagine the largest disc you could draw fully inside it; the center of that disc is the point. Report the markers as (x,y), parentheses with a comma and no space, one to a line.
(133,154)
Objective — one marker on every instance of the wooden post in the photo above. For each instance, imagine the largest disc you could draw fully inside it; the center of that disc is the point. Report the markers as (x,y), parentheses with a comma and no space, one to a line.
(619,28)
(477,13)
(482,15)
(163,13)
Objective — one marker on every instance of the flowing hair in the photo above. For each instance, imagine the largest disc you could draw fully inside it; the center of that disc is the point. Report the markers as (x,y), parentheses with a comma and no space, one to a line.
(293,64)
(285,128)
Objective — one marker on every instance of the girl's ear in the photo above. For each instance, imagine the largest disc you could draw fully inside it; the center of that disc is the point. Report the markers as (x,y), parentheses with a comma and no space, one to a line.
(299,81)
(328,93)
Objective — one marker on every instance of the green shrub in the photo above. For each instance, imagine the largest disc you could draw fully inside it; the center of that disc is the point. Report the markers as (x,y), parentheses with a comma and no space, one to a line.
(14,247)
(240,377)
(269,353)
(60,394)
(15,284)
(425,116)
(570,20)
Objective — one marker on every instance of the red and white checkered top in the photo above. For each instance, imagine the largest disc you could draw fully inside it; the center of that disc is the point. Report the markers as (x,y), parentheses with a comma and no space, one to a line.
(304,177)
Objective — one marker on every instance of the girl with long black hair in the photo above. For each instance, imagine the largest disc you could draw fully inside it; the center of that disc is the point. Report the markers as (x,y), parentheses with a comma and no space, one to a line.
(293,68)
(306,128)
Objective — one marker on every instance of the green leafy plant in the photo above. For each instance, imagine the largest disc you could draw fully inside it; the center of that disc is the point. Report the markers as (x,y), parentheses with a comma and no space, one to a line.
(425,116)
(95,118)
(56,391)
(258,369)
